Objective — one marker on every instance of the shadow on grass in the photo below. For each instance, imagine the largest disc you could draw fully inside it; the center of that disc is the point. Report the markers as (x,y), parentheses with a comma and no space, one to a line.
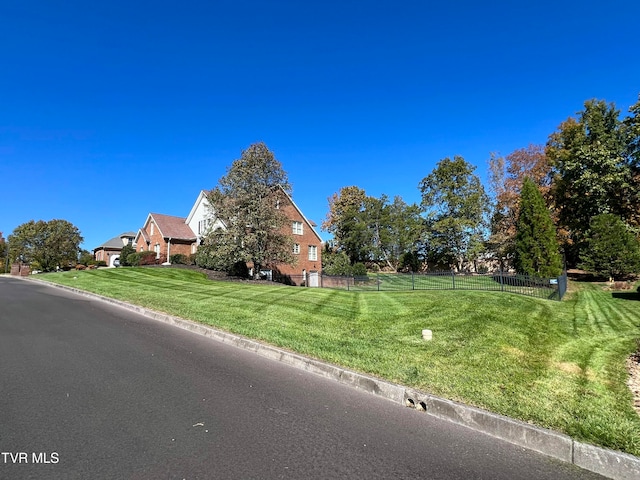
(626,295)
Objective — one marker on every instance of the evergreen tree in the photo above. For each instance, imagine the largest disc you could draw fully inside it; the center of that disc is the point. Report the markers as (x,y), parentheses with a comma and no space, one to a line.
(124,253)
(536,245)
(611,249)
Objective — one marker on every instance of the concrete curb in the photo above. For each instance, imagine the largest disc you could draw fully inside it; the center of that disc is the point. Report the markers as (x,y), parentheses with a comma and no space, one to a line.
(609,463)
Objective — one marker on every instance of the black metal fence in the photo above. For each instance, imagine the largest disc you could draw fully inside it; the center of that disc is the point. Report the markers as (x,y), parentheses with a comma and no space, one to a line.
(547,288)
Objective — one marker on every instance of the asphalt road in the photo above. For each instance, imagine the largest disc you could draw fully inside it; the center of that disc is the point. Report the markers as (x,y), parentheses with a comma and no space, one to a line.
(92,391)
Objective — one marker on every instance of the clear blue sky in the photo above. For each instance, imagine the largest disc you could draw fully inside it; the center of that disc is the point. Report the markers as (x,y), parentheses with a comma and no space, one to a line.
(111,110)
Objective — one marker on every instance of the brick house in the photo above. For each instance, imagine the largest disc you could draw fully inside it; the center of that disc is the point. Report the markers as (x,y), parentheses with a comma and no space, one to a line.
(169,235)
(307,246)
(166,235)
(110,250)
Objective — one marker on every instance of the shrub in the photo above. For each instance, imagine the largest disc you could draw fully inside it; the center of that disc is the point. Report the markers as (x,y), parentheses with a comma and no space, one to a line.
(124,255)
(179,259)
(239,269)
(359,270)
(142,258)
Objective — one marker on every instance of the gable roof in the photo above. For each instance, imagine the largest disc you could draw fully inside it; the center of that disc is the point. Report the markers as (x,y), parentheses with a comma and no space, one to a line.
(115,242)
(311,224)
(172,227)
(202,197)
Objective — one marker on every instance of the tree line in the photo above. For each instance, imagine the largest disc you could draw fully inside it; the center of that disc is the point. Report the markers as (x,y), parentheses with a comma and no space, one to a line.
(573,201)
(570,202)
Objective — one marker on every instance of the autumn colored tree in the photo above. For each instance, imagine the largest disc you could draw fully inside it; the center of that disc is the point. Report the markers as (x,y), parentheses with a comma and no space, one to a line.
(536,245)
(246,200)
(455,205)
(506,178)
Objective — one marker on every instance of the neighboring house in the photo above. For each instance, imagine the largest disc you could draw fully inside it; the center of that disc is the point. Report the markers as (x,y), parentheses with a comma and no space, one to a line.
(200,219)
(168,235)
(110,250)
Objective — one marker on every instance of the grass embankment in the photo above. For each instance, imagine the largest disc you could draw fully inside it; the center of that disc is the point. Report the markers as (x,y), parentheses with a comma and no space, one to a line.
(559,365)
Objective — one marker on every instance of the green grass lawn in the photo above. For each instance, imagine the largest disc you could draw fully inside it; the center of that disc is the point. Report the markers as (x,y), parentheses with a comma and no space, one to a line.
(559,365)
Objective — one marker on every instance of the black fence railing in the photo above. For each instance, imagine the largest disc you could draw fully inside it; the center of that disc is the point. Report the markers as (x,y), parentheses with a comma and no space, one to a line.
(547,288)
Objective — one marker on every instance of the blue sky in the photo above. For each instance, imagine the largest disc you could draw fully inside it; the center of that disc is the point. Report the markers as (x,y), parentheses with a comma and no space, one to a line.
(111,110)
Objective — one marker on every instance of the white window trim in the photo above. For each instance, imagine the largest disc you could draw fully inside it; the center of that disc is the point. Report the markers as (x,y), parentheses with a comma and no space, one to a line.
(313,253)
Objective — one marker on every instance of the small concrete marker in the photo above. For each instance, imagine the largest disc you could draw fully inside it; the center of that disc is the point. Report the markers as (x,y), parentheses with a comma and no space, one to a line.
(427,335)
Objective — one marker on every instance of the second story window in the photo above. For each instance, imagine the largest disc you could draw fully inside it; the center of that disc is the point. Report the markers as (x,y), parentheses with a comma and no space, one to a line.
(313,253)
(297,228)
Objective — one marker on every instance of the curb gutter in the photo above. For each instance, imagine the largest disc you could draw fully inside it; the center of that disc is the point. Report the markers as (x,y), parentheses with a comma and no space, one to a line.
(609,463)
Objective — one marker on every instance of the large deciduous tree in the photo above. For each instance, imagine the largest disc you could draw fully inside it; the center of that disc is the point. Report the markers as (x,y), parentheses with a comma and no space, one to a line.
(346,222)
(456,207)
(45,245)
(370,229)
(536,245)
(246,200)
(593,167)
(611,248)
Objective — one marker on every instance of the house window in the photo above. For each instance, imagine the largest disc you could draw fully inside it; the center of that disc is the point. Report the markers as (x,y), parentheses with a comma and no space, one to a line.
(151,228)
(297,228)
(296,248)
(313,253)
(157,250)
(202,226)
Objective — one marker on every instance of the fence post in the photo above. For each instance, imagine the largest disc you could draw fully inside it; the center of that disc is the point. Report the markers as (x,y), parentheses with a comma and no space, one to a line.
(378,280)
(453,278)
(501,281)
(347,279)
(413,281)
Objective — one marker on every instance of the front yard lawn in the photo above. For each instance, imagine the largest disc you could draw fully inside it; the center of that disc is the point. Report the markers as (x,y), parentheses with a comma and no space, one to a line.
(559,365)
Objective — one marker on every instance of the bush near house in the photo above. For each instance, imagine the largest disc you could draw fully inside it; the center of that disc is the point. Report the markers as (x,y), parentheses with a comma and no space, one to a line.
(181,259)
(143,258)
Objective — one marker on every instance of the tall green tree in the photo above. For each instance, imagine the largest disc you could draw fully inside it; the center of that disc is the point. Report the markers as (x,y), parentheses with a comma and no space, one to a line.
(611,248)
(246,200)
(592,171)
(456,208)
(536,245)
(346,221)
(45,245)
(404,232)
(370,229)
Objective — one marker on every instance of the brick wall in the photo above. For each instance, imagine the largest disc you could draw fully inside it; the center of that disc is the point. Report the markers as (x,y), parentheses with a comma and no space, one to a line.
(307,239)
